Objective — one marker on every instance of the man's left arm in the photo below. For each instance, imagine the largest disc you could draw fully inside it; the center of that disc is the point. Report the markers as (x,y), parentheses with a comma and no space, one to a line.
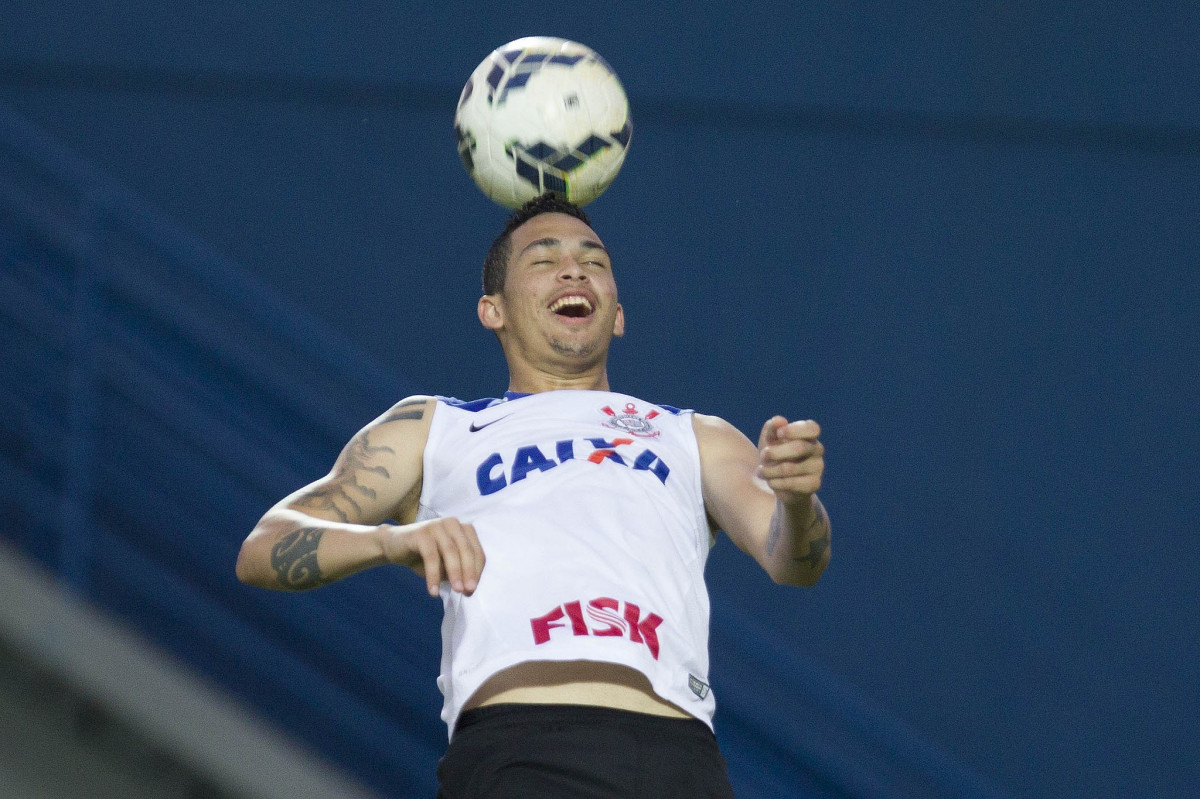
(765,497)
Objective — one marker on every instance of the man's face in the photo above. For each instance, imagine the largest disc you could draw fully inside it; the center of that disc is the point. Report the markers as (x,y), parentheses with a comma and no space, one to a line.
(559,299)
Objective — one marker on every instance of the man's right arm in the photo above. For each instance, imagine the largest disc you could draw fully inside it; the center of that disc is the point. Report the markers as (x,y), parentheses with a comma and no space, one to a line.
(343,523)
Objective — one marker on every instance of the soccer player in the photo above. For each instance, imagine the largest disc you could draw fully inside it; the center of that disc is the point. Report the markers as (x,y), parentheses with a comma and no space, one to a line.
(565,527)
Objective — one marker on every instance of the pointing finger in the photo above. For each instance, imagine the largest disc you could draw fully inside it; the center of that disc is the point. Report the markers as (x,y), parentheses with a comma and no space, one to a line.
(793,450)
(807,429)
(770,431)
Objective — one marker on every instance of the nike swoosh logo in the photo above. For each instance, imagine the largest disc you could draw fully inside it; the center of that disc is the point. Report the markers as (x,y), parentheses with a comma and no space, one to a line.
(475,428)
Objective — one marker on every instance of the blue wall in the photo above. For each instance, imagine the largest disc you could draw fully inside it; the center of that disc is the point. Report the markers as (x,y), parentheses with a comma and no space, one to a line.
(964,240)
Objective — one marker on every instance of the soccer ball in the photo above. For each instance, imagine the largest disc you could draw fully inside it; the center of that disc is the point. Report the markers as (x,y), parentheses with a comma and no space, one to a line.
(543,115)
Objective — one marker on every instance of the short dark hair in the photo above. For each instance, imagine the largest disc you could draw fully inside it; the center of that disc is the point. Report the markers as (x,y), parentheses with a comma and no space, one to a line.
(495,264)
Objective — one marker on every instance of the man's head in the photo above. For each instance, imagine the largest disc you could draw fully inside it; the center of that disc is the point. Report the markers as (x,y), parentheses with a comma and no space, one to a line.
(551,297)
(495,264)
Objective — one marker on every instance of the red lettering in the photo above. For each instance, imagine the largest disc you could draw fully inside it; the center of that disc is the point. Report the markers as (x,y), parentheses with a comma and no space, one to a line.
(575,612)
(602,611)
(645,630)
(600,454)
(542,625)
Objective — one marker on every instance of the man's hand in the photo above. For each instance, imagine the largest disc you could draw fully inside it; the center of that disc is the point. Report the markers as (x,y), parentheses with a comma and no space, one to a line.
(791,459)
(766,499)
(440,549)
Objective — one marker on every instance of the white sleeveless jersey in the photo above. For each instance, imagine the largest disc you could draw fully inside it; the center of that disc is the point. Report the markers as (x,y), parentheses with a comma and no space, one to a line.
(589,509)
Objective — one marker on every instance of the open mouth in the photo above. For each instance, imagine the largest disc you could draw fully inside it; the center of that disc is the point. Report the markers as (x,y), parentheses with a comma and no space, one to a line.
(574,306)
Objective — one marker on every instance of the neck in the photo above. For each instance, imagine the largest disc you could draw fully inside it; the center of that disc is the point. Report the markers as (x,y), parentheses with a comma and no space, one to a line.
(534,381)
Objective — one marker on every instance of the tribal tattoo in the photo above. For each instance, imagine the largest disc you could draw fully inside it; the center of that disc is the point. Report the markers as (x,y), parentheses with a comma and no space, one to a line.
(817,547)
(775,532)
(413,413)
(294,559)
(343,493)
(816,551)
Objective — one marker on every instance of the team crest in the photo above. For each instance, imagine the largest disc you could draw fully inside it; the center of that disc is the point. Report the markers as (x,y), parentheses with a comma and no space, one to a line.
(630,421)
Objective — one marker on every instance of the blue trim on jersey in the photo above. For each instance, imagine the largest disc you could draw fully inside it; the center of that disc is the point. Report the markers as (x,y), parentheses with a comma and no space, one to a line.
(474,406)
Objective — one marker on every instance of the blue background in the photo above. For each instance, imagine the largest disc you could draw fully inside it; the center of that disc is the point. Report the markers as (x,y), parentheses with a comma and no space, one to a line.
(963,239)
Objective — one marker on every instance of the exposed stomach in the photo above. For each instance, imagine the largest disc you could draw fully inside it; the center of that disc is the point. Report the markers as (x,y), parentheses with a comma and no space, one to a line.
(574,682)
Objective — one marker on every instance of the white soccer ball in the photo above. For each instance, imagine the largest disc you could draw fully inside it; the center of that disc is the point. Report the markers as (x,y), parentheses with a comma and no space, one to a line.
(543,115)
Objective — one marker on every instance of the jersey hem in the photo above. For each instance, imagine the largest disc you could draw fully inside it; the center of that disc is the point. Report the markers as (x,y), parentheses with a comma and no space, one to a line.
(701,709)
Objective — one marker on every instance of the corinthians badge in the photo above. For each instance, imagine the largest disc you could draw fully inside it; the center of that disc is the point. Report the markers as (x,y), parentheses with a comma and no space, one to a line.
(630,421)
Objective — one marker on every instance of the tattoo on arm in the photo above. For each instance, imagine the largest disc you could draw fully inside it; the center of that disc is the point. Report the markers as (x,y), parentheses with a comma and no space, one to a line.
(818,546)
(294,559)
(399,413)
(340,495)
(324,499)
(816,551)
(774,533)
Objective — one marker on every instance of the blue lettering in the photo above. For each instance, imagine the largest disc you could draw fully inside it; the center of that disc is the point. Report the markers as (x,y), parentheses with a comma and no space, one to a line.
(528,459)
(650,462)
(605,449)
(483,476)
(492,476)
(600,443)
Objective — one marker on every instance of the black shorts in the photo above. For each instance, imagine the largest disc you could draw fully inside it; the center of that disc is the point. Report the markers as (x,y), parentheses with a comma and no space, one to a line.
(580,752)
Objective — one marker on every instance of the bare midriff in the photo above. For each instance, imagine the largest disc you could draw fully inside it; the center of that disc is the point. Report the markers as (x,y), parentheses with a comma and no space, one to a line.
(575,682)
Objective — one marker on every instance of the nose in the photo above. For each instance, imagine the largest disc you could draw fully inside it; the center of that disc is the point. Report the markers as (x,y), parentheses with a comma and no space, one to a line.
(571,269)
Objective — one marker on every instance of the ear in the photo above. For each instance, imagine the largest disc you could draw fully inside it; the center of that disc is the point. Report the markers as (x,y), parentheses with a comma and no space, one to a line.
(619,322)
(491,312)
